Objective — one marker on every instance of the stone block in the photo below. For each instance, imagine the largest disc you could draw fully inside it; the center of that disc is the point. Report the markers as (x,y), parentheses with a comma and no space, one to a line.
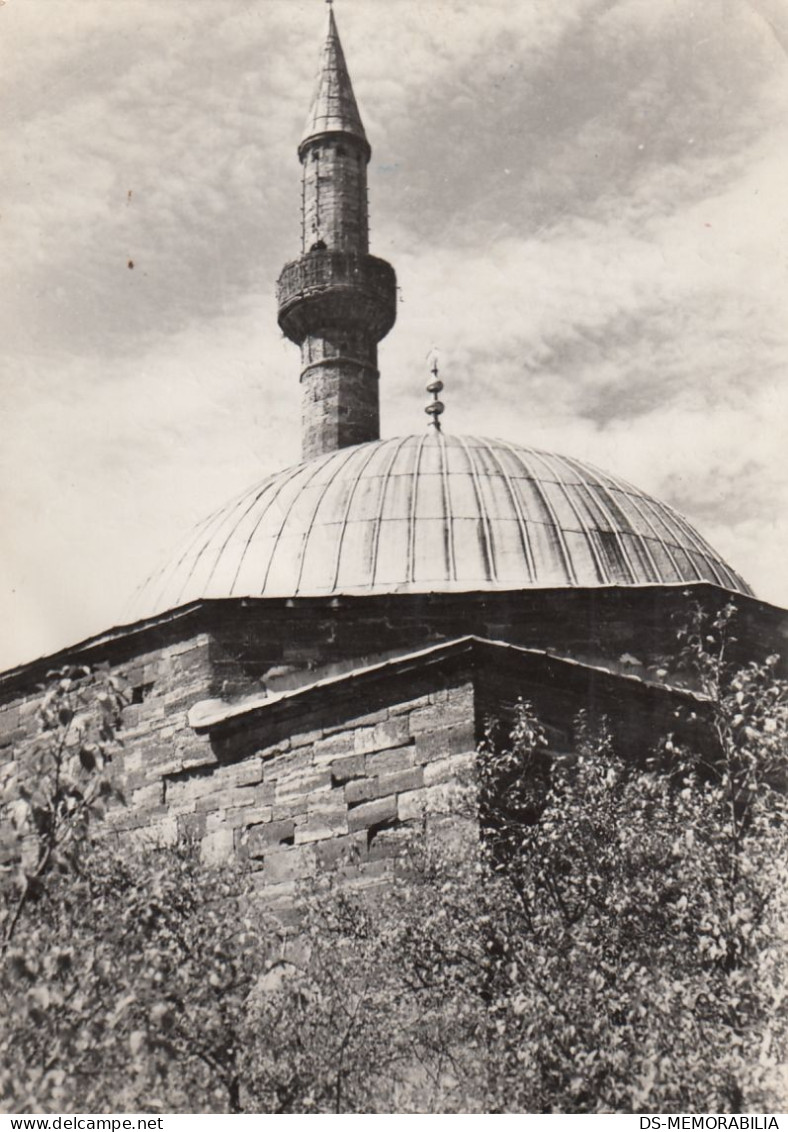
(228,799)
(392,733)
(336,851)
(275,750)
(193,644)
(288,864)
(199,757)
(367,720)
(215,819)
(318,827)
(241,818)
(259,839)
(302,783)
(361,790)
(9,718)
(409,779)
(409,706)
(192,825)
(132,734)
(305,738)
(166,832)
(291,762)
(372,813)
(217,846)
(164,768)
(454,739)
(342,770)
(333,747)
(326,801)
(462,696)
(131,675)
(391,761)
(265,793)
(248,772)
(289,808)
(456,710)
(411,805)
(449,768)
(256,815)
(240,796)
(132,716)
(148,795)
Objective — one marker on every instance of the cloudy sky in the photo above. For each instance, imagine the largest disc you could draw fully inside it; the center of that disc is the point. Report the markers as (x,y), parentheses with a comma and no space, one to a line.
(585,202)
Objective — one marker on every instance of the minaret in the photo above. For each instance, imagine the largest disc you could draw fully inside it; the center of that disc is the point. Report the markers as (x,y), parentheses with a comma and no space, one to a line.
(337,301)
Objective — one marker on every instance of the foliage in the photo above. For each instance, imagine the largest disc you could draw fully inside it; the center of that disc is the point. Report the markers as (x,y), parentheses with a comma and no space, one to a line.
(614,942)
(126,991)
(65,780)
(344,1028)
(639,954)
(152,983)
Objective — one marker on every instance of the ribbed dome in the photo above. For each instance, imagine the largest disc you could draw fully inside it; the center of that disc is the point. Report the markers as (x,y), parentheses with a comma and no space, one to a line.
(434,512)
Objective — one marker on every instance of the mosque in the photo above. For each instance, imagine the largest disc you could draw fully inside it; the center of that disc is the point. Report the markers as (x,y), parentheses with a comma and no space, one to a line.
(316,666)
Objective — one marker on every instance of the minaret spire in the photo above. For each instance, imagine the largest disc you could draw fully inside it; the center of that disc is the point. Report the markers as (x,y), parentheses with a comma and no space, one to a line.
(334,108)
(336,301)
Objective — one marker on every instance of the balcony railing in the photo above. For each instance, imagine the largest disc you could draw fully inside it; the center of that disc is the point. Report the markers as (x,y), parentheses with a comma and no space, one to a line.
(321,286)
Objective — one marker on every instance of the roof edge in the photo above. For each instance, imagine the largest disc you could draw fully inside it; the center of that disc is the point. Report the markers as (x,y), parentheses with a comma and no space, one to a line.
(216,716)
(160,621)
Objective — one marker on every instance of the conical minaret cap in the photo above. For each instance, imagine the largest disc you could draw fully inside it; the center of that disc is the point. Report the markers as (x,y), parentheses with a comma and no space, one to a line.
(334,109)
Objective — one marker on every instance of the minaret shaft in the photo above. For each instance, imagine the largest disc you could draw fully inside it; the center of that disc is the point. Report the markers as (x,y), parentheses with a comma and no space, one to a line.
(336,301)
(334,194)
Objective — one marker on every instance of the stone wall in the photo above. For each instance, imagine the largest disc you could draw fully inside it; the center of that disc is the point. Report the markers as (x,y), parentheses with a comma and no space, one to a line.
(163,684)
(332,763)
(631,630)
(336,786)
(334,201)
(339,399)
(346,794)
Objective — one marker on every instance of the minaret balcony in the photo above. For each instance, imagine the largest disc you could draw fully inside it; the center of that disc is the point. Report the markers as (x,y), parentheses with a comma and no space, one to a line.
(329,289)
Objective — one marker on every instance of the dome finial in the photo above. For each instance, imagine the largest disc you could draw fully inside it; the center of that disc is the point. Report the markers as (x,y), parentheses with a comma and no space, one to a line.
(435,407)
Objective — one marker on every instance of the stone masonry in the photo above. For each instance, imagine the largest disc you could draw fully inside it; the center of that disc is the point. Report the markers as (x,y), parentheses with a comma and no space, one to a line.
(317,767)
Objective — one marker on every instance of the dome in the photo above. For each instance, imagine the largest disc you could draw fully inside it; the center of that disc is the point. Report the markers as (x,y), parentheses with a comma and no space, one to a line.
(435,513)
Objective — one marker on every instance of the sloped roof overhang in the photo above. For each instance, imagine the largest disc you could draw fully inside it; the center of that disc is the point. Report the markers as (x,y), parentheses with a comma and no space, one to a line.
(218,718)
(197,616)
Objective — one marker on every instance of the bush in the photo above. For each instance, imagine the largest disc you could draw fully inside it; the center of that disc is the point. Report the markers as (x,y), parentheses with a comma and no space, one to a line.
(614,941)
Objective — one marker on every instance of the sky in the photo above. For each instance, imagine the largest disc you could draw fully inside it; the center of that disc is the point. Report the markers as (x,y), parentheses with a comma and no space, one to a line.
(584,201)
